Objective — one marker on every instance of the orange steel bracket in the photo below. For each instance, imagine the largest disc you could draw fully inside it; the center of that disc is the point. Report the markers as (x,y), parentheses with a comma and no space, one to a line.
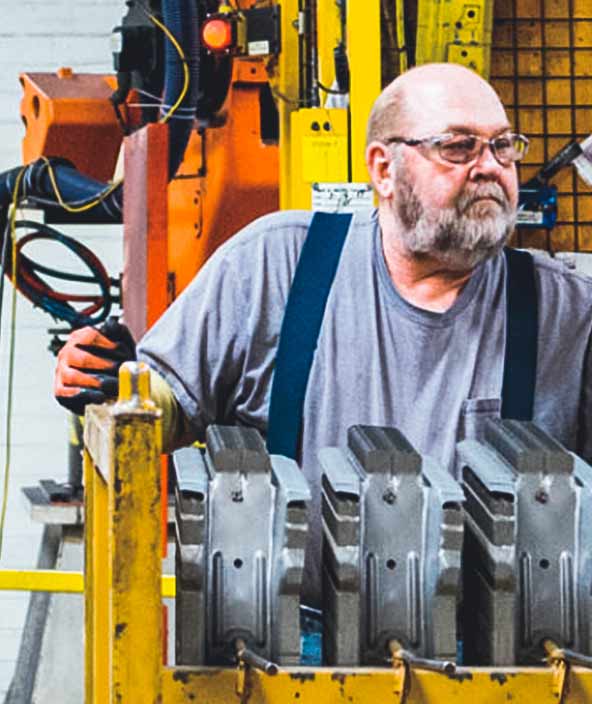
(228,178)
(69,115)
(145,227)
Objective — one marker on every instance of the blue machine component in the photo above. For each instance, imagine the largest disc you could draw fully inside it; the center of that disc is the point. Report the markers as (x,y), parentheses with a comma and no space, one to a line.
(537,205)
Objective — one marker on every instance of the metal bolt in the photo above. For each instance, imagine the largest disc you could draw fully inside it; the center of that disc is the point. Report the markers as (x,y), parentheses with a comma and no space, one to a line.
(541,496)
(237,495)
(315,127)
(389,496)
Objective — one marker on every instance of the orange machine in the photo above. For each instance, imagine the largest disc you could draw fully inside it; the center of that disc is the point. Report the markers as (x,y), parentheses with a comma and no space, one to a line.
(71,116)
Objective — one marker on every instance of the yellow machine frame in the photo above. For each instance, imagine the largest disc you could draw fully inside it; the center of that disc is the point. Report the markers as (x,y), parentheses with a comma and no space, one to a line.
(123,607)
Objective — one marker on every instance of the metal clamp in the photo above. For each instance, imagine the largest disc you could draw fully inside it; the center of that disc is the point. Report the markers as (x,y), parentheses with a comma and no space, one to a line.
(403,660)
(247,659)
(398,653)
(401,670)
(560,664)
(250,658)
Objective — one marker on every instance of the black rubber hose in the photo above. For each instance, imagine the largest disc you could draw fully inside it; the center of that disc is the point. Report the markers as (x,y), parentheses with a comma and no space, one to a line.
(181,18)
(73,186)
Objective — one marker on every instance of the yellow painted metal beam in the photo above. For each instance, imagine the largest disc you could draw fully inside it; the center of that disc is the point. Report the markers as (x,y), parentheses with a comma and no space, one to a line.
(60,581)
(285,82)
(123,606)
(42,581)
(368,686)
(455,31)
(328,37)
(363,49)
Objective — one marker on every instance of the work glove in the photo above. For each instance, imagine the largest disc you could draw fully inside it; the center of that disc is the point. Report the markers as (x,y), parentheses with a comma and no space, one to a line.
(88,365)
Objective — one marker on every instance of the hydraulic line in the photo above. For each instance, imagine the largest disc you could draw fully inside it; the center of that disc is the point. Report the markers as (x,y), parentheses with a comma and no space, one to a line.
(181,19)
(59,182)
(64,193)
(58,304)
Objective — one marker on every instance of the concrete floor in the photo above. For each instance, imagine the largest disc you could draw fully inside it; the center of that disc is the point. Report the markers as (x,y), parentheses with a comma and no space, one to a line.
(39,36)
(39,437)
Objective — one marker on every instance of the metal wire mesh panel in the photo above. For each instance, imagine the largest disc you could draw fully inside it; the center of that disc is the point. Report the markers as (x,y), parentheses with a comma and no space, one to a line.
(541,66)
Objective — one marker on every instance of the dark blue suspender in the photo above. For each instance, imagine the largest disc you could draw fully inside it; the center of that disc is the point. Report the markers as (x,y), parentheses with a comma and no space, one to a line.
(304,315)
(308,295)
(522,323)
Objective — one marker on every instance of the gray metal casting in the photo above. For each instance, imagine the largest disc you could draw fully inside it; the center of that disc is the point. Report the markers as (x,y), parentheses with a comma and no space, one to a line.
(241,532)
(527,568)
(392,530)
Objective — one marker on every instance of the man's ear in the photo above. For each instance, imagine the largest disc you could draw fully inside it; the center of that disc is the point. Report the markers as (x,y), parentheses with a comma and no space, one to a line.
(378,162)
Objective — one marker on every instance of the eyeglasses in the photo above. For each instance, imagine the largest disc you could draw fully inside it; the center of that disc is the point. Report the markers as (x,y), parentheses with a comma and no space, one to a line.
(464,148)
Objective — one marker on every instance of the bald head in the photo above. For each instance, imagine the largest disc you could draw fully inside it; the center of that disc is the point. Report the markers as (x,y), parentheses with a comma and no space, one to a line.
(428,95)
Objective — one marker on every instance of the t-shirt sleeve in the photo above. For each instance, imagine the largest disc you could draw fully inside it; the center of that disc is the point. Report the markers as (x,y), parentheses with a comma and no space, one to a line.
(215,346)
(198,344)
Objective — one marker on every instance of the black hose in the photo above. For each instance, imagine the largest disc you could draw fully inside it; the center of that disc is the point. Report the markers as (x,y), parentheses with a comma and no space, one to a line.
(57,304)
(73,186)
(181,18)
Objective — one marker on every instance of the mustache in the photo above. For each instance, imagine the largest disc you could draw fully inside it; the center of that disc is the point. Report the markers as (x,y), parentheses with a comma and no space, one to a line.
(472,194)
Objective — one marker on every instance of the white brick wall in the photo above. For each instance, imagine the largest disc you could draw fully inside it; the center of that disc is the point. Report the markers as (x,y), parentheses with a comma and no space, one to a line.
(39,35)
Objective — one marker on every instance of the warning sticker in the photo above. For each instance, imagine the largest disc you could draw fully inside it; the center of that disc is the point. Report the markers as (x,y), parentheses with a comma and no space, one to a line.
(260,48)
(342,197)
(530,217)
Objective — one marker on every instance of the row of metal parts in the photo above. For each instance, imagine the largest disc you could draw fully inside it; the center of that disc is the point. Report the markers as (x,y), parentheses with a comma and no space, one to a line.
(415,565)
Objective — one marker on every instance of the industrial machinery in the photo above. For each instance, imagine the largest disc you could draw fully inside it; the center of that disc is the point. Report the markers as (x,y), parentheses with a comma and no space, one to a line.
(204,90)
(398,585)
(233,575)
(122,445)
(527,572)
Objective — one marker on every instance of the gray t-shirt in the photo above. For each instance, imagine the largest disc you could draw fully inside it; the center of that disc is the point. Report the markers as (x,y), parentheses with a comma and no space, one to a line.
(379,361)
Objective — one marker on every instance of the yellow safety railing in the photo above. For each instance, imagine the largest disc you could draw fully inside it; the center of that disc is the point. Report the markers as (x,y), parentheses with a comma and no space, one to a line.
(60,582)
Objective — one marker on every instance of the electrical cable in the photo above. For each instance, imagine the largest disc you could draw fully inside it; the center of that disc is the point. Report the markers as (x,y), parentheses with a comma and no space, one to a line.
(186,77)
(11,358)
(56,303)
(69,207)
(64,275)
(332,91)
(282,96)
(3,257)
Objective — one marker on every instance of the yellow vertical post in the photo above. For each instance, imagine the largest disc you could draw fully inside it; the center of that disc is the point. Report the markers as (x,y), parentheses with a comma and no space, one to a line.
(96,615)
(135,555)
(89,587)
(328,37)
(363,49)
(286,92)
(123,560)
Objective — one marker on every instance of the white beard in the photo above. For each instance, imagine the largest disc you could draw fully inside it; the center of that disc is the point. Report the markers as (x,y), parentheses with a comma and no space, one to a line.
(461,236)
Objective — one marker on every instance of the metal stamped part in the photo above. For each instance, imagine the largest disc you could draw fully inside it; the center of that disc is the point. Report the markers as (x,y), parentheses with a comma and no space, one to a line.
(526,575)
(241,533)
(392,543)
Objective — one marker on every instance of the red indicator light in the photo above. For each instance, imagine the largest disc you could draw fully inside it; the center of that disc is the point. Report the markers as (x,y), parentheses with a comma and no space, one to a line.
(217,34)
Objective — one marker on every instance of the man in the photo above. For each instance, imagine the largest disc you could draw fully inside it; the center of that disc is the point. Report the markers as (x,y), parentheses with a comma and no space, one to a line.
(414,331)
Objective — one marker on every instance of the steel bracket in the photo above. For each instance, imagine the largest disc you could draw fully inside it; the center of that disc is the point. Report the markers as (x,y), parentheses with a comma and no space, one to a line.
(402,677)
(560,666)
